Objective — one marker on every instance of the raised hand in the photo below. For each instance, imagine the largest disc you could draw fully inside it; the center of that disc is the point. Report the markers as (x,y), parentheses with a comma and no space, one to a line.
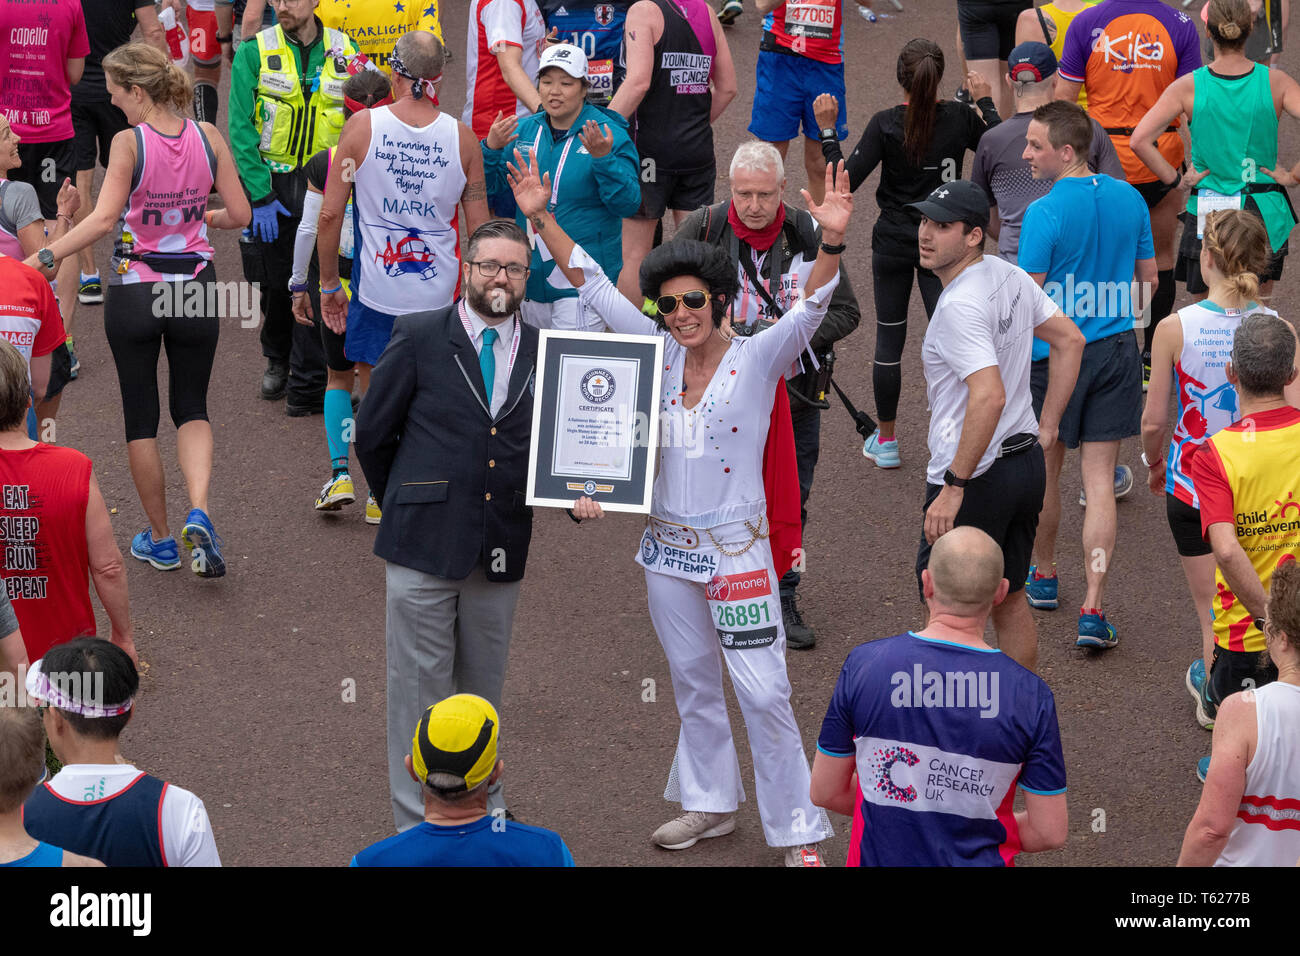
(598,142)
(532,190)
(554,36)
(977,86)
(502,130)
(827,110)
(69,199)
(836,208)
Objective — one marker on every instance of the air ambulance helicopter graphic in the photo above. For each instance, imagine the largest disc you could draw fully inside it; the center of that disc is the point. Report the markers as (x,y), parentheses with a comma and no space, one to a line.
(412,254)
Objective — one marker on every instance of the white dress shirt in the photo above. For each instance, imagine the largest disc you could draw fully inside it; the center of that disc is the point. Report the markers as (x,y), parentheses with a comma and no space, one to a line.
(500,350)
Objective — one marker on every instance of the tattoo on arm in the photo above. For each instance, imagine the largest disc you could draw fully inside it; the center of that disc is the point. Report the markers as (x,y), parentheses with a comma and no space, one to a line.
(538,222)
(474,191)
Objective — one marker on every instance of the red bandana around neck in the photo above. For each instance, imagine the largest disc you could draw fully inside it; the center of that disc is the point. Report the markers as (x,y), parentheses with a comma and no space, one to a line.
(757,238)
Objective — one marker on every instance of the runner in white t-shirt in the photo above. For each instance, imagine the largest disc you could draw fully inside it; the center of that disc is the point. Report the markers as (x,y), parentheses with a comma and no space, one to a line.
(986,464)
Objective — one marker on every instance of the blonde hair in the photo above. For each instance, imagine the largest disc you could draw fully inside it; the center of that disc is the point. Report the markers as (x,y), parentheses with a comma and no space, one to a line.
(1237,243)
(140,64)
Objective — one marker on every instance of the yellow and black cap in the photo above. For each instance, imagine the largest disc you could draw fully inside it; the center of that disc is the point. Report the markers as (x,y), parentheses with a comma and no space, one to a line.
(457,737)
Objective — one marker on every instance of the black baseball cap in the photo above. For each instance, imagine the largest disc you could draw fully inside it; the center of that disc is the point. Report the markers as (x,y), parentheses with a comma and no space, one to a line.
(958,201)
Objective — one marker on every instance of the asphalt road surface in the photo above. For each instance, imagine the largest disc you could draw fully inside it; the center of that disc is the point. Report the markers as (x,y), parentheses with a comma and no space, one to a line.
(265,690)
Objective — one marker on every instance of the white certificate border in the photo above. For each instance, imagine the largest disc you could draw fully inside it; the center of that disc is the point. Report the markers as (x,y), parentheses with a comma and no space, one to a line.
(635,373)
(652,438)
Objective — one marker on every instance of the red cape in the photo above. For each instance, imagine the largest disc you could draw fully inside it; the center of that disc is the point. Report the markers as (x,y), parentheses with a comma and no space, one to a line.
(781,484)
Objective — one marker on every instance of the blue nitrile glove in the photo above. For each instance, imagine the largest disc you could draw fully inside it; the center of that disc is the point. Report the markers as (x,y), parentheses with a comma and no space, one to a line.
(266,220)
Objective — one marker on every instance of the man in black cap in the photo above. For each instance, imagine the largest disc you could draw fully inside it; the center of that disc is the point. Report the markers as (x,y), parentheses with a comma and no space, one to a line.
(986,464)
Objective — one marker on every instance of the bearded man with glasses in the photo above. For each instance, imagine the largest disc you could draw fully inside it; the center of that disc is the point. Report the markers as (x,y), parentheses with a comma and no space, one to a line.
(443,437)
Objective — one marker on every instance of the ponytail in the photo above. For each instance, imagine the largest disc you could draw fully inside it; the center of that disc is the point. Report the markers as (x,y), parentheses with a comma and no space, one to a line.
(143,65)
(1238,245)
(180,88)
(920,70)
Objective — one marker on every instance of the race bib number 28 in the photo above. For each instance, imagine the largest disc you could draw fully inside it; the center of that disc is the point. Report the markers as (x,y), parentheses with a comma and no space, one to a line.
(600,74)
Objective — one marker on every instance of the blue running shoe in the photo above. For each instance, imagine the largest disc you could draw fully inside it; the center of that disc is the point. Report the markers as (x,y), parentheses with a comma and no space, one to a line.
(1096,631)
(1198,686)
(1040,591)
(204,545)
(883,453)
(1202,769)
(163,555)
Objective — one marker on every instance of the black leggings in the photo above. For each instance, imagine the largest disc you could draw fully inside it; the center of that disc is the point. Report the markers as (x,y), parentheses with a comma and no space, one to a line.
(892,281)
(137,321)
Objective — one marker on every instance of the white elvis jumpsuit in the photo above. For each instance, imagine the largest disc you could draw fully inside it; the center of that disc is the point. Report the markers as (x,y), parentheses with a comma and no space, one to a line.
(710,579)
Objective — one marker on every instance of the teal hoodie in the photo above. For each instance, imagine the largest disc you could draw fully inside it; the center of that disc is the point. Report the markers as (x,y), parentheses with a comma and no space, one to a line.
(594,196)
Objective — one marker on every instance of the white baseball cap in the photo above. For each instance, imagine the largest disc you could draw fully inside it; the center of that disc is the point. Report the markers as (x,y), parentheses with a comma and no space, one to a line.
(567,57)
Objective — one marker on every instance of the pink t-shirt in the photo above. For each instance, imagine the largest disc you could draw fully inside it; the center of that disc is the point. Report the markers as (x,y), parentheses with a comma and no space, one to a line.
(36,41)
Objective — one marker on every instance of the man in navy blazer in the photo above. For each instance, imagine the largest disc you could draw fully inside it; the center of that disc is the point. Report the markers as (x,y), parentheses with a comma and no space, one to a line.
(443,439)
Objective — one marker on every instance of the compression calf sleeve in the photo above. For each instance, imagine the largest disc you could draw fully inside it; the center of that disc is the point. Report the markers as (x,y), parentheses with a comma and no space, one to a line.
(205,103)
(338,422)
(1162,304)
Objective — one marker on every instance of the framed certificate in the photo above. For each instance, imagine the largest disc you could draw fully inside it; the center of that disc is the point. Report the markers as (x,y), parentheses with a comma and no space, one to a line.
(595,419)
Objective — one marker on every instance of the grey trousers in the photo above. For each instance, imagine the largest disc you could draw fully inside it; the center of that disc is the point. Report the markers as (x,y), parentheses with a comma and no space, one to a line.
(443,638)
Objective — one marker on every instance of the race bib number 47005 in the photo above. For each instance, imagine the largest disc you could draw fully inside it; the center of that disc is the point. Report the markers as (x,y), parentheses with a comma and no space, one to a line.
(814,19)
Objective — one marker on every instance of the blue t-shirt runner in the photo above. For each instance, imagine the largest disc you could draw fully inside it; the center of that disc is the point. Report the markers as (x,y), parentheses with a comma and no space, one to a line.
(942,735)
(485,842)
(1087,235)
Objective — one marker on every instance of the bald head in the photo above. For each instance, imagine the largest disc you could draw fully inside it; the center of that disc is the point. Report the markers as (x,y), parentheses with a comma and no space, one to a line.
(421,54)
(966,567)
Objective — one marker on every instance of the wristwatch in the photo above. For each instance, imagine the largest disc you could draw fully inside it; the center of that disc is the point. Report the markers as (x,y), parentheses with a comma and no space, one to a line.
(297,287)
(949,478)
(45,258)
(1152,464)
(1259,623)
(829,133)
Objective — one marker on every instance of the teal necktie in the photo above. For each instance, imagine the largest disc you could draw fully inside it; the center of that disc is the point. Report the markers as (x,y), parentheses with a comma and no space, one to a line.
(487,362)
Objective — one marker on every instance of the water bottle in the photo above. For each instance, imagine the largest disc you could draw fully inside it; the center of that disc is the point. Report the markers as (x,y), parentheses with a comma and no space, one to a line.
(177,41)
(867,14)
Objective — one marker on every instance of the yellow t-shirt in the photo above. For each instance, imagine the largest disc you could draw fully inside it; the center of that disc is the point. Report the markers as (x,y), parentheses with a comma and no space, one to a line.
(375,25)
(1248,475)
(1062,20)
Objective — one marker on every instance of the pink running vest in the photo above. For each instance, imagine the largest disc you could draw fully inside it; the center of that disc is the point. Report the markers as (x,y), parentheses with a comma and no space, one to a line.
(164,211)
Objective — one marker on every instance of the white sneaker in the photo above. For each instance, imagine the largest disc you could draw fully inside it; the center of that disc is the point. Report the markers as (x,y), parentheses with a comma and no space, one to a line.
(809,854)
(691,827)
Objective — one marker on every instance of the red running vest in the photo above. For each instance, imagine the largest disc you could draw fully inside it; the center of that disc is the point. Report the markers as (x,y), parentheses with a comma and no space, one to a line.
(43,495)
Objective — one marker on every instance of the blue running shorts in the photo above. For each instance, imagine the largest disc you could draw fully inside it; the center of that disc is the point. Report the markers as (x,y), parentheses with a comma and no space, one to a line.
(785,87)
(367,333)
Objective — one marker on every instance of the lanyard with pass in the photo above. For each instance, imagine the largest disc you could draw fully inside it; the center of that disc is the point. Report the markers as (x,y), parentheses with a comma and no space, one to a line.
(533,239)
(469,332)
